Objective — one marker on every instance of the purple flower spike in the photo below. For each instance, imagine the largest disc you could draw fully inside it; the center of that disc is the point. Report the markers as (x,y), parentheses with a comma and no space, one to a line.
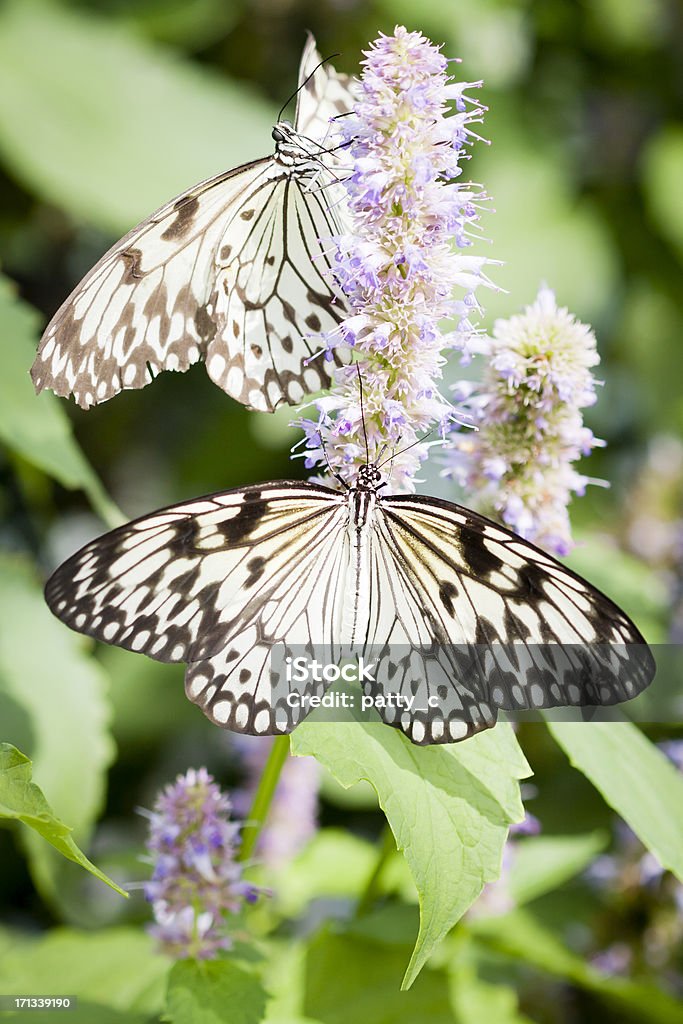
(519,460)
(399,262)
(196,883)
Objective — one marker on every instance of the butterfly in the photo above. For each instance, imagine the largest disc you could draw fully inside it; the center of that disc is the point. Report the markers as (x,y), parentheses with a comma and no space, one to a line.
(464,616)
(231,272)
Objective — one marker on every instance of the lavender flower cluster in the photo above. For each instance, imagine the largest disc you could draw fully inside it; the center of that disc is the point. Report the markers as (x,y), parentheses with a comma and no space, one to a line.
(397,265)
(529,429)
(197,884)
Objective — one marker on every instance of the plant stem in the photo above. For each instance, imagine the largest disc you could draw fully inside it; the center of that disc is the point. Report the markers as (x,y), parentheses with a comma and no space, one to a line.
(264,795)
(102,504)
(371,891)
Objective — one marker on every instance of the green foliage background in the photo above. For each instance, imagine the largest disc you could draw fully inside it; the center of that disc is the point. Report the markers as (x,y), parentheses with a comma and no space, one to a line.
(107,109)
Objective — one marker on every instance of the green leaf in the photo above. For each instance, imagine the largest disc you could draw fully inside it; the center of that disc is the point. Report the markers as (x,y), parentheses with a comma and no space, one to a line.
(53,706)
(543,240)
(635,778)
(662,170)
(347,970)
(474,999)
(522,937)
(37,427)
(22,800)
(116,967)
(191,26)
(283,980)
(211,992)
(641,594)
(148,702)
(391,924)
(127,124)
(543,863)
(334,863)
(449,808)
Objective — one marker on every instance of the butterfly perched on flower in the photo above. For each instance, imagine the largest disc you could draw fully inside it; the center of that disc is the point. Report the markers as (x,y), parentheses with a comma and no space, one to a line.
(231,272)
(467,616)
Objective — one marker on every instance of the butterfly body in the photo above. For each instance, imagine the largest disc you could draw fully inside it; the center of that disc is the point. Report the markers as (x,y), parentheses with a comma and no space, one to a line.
(457,612)
(295,153)
(232,273)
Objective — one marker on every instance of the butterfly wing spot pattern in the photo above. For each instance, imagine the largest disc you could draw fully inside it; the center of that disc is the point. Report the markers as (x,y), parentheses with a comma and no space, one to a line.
(231,268)
(462,617)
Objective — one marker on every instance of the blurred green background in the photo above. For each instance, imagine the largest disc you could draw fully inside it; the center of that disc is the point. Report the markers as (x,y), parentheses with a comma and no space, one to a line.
(109,108)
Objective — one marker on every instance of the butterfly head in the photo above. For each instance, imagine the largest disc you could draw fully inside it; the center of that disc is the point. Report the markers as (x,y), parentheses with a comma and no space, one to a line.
(282,133)
(369,478)
(293,150)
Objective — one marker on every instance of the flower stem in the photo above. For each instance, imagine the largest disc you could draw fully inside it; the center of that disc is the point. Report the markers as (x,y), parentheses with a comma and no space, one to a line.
(264,795)
(371,891)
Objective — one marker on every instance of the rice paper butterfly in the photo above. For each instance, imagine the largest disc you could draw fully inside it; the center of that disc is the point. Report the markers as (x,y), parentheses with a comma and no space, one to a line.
(231,272)
(460,613)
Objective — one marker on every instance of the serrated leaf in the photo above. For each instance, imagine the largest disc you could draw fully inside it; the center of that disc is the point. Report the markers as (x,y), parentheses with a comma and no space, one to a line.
(127,123)
(635,778)
(449,809)
(53,706)
(205,992)
(37,427)
(22,800)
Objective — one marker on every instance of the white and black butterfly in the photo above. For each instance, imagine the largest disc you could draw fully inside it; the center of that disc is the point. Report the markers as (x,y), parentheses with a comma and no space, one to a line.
(466,616)
(231,272)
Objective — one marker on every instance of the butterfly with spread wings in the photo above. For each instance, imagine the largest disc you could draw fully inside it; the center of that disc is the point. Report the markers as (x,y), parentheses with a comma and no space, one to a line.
(231,272)
(463,616)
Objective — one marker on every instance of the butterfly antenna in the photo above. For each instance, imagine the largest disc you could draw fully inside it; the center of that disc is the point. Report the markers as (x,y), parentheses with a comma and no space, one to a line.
(334,473)
(305,83)
(391,466)
(395,453)
(362,415)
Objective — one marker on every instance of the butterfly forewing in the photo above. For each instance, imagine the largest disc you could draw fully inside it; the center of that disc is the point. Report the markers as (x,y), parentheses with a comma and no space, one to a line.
(507,626)
(217,274)
(216,583)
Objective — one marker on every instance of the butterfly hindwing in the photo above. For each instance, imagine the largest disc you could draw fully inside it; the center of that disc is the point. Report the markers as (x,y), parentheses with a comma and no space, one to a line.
(271,305)
(233,271)
(324,94)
